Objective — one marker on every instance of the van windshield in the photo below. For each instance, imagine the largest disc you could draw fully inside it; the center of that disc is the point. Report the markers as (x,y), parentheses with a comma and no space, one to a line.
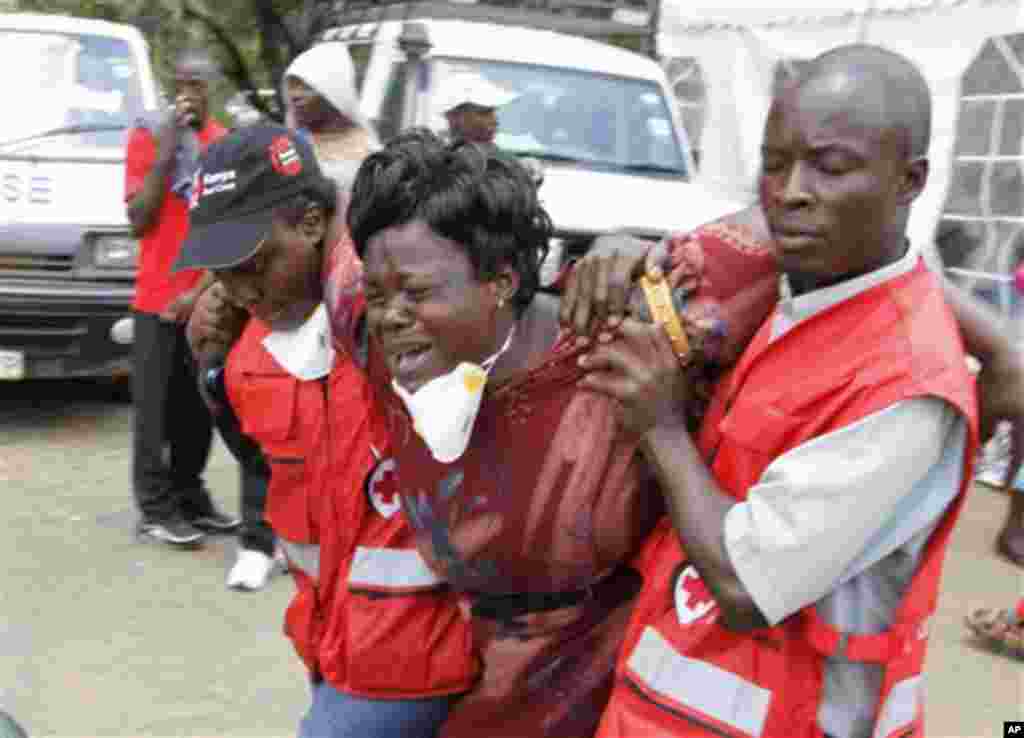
(60,80)
(573,115)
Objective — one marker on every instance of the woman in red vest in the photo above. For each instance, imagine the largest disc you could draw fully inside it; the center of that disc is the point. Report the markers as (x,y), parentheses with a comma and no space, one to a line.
(385,645)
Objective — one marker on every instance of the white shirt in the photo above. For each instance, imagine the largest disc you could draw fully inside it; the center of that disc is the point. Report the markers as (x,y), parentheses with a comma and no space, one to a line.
(842,519)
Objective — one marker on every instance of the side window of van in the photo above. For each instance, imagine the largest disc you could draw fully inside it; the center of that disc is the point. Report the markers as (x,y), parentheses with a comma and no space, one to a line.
(982,225)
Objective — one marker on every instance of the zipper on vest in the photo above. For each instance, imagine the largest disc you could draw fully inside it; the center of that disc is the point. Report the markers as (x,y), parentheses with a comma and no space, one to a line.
(681,714)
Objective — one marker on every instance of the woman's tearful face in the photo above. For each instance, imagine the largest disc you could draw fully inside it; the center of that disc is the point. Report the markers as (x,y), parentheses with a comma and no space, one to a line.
(426,308)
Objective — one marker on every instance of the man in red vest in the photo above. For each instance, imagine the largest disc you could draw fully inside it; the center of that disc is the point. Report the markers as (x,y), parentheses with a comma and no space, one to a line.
(385,643)
(788,592)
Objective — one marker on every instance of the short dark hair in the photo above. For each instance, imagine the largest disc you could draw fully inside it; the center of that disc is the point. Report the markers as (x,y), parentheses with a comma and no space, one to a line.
(467,193)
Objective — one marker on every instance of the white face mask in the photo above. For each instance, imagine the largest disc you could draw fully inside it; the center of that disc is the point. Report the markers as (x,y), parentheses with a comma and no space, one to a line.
(444,409)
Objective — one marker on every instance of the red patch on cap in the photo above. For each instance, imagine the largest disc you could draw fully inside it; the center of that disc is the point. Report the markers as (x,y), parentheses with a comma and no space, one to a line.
(284,157)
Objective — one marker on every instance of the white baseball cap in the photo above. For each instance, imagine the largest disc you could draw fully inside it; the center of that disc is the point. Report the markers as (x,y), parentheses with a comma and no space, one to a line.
(465,88)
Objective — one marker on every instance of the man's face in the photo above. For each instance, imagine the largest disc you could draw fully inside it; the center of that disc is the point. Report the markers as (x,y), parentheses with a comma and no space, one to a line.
(280,281)
(474,123)
(834,183)
(191,98)
(310,109)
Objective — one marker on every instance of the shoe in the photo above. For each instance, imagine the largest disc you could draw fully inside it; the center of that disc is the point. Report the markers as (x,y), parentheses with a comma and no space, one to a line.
(217,522)
(174,531)
(208,518)
(251,570)
(991,476)
(994,459)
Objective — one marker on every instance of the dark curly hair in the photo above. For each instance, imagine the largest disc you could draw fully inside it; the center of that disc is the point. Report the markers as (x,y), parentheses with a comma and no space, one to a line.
(470,194)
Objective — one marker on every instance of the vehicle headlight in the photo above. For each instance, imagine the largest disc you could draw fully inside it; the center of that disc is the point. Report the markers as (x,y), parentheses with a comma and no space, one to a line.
(115,252)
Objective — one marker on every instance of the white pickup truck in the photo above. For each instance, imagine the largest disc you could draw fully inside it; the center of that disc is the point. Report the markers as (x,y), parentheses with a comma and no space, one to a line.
(600,119)
(67,258)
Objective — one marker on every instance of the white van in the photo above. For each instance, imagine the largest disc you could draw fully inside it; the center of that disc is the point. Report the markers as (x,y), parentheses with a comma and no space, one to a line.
(67,258)
(600,119)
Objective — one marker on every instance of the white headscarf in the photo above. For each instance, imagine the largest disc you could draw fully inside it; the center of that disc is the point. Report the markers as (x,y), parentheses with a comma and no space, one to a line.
(327,68)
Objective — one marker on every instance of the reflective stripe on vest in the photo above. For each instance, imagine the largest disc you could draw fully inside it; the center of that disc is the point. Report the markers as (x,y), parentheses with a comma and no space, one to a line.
(390,568)
(704,687)
(305,556)
(900,707)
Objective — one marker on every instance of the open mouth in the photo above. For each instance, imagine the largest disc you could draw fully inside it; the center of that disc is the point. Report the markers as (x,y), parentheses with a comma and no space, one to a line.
(409,362)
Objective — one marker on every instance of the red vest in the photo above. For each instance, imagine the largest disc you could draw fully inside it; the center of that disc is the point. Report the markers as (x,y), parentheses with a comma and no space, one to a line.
(399,632)
(368,615)
(285,417)
(681,672)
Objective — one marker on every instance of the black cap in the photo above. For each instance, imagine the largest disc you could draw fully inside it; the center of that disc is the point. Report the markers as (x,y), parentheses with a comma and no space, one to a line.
(241,178)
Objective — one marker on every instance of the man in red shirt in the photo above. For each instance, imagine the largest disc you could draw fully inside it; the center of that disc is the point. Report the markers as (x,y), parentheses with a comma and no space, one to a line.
(174,504)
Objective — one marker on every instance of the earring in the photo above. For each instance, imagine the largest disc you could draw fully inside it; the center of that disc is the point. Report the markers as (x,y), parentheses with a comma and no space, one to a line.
(501,303)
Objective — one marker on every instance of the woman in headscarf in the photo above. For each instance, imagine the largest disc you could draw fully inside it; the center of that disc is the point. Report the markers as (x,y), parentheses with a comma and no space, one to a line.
(322,101)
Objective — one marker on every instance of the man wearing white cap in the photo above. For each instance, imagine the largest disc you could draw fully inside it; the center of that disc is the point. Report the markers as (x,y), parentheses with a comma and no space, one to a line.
(470,103)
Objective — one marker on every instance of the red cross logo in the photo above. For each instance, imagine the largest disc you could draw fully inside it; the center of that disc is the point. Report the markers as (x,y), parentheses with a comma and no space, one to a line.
(387,486)
(382,488)
(693,600)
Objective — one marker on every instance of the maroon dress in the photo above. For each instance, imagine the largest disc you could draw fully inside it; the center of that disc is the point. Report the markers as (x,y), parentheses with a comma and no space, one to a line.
(534,526)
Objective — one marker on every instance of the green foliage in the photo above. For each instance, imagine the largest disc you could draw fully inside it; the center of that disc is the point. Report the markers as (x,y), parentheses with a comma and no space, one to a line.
(253,40)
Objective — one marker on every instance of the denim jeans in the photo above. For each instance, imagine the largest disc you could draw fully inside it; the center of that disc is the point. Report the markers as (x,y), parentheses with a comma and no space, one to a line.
(335,714)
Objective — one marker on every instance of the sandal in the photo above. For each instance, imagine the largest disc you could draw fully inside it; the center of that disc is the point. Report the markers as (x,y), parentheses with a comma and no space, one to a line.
(998,628)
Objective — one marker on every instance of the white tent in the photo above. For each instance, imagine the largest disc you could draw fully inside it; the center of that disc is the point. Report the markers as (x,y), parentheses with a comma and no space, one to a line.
(738,45)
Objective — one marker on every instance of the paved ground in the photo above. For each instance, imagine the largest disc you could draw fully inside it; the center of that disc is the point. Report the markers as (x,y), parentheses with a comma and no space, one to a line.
(101,635)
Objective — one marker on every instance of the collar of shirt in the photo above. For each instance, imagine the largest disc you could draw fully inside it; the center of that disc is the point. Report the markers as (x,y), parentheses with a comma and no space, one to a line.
(793,310)
(306,350)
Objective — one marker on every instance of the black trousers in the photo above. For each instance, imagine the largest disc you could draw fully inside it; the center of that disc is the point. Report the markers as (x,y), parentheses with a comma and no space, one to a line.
(254,478)
(173,429)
